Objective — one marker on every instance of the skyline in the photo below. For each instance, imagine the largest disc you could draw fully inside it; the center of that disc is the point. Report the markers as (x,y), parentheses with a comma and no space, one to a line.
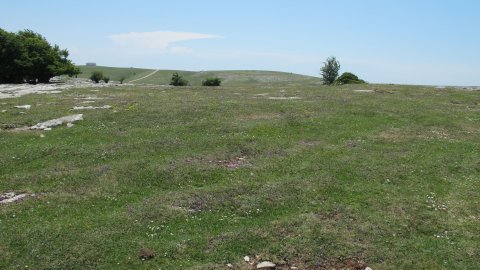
(402,42)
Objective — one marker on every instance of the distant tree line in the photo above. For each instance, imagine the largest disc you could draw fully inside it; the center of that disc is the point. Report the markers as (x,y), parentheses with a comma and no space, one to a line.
(27,56)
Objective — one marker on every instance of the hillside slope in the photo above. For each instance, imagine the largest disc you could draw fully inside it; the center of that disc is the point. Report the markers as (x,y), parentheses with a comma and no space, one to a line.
(229,77)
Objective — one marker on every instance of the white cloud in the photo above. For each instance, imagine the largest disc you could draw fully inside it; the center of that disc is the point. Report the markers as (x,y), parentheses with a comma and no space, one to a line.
(158,40)
(180,50)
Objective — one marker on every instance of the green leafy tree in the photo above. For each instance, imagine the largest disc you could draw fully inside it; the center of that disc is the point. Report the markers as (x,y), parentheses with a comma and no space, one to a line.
(27,56)
(178,80)
(11,53)
(212,82)
(349,78)
(330,70)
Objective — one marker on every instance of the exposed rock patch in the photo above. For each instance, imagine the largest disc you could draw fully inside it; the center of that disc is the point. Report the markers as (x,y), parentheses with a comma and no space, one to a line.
(47,125)
(11,197)
(91,107)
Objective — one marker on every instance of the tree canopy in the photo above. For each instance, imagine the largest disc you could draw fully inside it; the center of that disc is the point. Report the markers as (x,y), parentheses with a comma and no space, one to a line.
(349,78)
(330,70)
(27,56)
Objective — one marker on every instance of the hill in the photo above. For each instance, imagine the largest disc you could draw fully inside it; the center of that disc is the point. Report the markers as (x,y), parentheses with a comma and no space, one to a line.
(229,77)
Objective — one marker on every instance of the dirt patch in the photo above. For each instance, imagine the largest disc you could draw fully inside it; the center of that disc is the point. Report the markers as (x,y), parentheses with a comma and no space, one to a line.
(229,163)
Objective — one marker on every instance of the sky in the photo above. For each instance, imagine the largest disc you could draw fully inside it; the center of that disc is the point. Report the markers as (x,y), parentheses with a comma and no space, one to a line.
(431,42)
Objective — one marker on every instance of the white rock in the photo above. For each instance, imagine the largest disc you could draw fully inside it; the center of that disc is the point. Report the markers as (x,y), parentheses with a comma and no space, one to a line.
(70,125)
(56,122)
(364,91)
(265,265)
(229,265)
(11,197)
(26,107)
(91,107)
(246,258)
(368,268)
(4,111)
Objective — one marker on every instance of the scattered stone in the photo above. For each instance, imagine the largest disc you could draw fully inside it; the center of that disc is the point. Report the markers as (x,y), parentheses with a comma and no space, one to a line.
(42,135)
(91,107)
(368,268)
(56,122)
(11,197)
(246,259)
(293,267)
(4,111)
(229,265)
(26,107)
(70,125)
(265,265)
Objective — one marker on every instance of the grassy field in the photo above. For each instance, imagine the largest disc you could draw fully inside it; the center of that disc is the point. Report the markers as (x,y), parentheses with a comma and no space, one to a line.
(114,73)
(229,78)
(296,173)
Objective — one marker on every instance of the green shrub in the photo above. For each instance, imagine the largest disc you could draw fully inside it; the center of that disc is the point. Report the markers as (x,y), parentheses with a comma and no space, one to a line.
(178,80)
(349,78)
(96,76)
(106,79)
(212,82)
(122,79)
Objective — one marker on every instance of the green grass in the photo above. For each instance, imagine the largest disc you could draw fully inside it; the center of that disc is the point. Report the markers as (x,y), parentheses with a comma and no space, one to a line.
(114,73)
(204,176)
(229,78)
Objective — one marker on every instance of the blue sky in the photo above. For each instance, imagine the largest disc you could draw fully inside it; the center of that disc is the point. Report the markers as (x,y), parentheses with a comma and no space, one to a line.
(396,41)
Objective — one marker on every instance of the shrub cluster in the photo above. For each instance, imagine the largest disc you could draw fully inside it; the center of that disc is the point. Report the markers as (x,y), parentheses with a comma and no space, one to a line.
(348,78)
(97,76)
(212,82)
(26,56)
(178,80)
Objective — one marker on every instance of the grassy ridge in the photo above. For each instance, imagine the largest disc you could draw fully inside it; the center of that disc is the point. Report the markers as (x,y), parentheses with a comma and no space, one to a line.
(205,176)
(114,73)
(229,78)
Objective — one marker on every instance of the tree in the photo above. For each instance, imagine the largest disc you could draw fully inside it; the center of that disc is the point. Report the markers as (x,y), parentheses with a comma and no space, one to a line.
(330,70)
(178,80)
(10,58)
(349,78)
(212,82)
(27,56)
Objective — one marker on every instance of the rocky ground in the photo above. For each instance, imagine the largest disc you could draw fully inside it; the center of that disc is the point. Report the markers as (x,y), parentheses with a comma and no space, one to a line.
(17,90)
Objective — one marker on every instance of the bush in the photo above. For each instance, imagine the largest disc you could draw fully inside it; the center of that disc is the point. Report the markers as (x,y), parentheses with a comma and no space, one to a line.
(106,79)
(330,70)
(96,76)
(349,78)
(178,80)
(212,82)
(122,79)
